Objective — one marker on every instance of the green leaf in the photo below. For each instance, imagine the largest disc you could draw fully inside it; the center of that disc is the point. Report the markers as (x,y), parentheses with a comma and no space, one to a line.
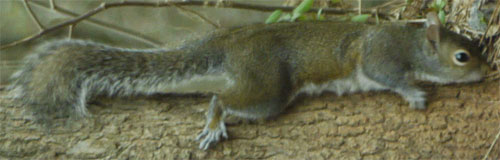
(442,16)
(442,4)
(482,18)
(303,18)
(285,17)
(319,16)
(439,4)
(303,7)
(274,17)
(360,18)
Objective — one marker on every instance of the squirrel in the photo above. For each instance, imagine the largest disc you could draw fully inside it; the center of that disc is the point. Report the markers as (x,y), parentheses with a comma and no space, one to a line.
(254,71)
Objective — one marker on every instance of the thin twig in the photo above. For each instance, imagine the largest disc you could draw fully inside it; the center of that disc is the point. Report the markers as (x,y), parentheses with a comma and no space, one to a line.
(470,30)
(70,31)
(412,21)
(236,5)
(386,4)
(495,16)
(30,11)
(111,27)
(359,6)
(492,145)
(52,4)
(205,19)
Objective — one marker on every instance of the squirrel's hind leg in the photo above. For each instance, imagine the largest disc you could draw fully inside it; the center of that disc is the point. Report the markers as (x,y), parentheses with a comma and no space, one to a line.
(214,127)
(80,106)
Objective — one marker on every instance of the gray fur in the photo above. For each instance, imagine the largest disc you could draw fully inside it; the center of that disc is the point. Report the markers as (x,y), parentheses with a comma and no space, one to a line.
(262,68)
(62,76)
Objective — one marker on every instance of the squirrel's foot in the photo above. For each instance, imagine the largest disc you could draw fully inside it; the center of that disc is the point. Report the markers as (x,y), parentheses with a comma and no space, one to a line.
(419,104)
(212,136)
(414,96)
(416,100)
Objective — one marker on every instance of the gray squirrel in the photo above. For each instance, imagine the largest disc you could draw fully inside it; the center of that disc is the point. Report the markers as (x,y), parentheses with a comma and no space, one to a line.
(254,71)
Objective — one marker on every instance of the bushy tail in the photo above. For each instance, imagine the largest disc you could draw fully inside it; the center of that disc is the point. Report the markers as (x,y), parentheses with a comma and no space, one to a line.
(45,95)
(60,77)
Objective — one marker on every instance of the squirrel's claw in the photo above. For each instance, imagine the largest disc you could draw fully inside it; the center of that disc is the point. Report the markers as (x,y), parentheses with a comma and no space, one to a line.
(417,104)
(418,101)
(212,136)
(414,96)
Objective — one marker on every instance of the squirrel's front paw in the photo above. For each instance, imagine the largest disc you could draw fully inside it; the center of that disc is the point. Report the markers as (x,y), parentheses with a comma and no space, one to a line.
(414,96)
(212,136)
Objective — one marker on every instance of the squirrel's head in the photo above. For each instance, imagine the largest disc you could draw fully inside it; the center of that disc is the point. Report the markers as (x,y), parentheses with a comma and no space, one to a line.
(455,58)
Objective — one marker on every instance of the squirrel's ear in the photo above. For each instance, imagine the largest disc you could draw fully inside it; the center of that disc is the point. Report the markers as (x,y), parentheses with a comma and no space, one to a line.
(432,32)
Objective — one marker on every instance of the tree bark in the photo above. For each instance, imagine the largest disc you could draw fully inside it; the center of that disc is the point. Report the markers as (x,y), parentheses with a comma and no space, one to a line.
(461,122)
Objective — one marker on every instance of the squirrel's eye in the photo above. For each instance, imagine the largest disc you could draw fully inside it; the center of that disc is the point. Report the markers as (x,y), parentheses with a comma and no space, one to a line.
(461,57)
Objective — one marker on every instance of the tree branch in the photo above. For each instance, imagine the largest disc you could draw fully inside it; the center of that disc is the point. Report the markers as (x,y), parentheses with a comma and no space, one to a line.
(114,28)
(32,15)
(236,5)
(205,19)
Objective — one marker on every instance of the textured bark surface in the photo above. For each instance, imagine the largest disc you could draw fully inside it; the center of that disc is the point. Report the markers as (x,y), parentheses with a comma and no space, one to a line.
(460,123)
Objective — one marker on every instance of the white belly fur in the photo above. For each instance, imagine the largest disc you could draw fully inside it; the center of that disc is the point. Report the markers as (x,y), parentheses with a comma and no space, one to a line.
(215,83)
(210,83)
(353,83)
